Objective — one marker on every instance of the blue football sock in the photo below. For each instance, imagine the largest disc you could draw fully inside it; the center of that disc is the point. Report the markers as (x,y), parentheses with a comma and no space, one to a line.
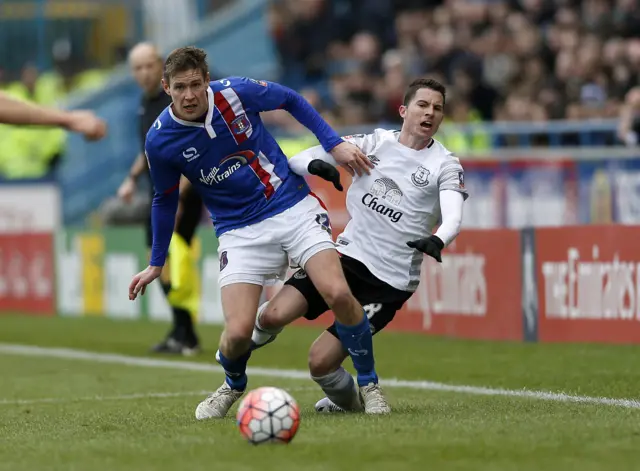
(235,370)
(358,342)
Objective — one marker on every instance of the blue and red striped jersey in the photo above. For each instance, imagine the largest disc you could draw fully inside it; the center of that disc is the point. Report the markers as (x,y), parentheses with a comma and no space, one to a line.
(231,159)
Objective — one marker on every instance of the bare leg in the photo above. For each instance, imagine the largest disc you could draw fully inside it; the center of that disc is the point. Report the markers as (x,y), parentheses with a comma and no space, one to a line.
(239,303)
(284,308)
(325,271)
(325,360)
(352,325)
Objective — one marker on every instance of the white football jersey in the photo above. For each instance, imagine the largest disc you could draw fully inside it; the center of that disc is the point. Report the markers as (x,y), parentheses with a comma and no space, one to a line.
(398,202)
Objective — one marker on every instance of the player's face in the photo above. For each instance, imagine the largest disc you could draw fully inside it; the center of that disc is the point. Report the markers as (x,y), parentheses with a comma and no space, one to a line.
(423,115)
(188,92)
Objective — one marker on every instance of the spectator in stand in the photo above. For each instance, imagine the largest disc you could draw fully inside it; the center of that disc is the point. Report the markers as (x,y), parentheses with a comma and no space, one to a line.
(629,127)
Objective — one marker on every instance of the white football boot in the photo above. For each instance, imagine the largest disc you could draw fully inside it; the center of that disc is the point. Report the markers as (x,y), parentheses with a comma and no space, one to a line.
(373,399)
(218,403)
(326,406)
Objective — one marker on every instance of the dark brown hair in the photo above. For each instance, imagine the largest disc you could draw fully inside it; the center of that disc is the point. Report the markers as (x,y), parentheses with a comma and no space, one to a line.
(417,84)
(183,59)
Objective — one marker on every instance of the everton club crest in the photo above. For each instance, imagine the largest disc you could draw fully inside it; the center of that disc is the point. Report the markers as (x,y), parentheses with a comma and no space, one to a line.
(420,177)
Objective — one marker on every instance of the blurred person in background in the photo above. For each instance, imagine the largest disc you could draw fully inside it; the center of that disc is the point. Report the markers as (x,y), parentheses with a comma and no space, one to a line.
(15,159)
(42,148)
(629,126)
(461,112)
(35,152)
(179,278)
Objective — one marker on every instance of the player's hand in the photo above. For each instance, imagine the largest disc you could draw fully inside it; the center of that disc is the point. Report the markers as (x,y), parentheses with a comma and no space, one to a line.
(431,246)
(87,124)
(325,171)
(141,280)
(352,158)
(127,190)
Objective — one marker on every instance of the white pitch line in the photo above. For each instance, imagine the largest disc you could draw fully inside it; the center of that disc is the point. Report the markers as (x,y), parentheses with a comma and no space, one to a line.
(71,354)
(119,397)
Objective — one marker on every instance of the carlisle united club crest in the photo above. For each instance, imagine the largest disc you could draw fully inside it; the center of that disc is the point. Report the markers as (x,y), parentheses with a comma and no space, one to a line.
(224,261)
(240,125)
(420,177)
(323,220)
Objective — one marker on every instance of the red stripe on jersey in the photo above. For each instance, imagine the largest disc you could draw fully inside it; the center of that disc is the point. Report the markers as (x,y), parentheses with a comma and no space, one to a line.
(229,116)
(319,200)
(172,189)
(264,177)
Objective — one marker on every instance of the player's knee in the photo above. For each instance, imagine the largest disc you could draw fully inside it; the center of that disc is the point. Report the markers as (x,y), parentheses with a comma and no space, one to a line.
(238,334)
(321,363)
(269,317)
(339,298)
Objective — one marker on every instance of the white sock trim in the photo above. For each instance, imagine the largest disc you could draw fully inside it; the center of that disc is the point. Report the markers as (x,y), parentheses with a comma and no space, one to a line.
(259,327)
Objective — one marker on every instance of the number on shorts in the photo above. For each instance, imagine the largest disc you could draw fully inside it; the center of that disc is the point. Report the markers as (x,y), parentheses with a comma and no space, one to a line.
(372,309)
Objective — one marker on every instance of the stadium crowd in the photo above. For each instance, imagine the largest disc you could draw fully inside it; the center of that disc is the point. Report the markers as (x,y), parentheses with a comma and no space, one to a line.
(532,60)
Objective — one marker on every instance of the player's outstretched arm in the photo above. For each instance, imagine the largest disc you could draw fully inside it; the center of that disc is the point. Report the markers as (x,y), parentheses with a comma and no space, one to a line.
(451,203)
(14,111)
(315,161)
(166,181)
(451,207)
(343,152)
(268,96)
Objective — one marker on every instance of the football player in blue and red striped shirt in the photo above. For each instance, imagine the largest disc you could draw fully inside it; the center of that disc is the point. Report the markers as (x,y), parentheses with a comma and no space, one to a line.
(264,214)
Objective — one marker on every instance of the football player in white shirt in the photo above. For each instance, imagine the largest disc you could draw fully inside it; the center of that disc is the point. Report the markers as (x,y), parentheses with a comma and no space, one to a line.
(415,183)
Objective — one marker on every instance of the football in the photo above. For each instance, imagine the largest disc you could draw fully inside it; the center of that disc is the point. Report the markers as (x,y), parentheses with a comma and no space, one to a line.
(268,415)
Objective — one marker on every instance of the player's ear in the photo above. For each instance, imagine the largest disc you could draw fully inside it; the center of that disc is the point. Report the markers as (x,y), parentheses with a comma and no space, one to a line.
(165,85)
(402,110)
(207,79)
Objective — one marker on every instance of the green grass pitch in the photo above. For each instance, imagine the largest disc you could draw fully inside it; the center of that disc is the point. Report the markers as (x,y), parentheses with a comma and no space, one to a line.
(98,413)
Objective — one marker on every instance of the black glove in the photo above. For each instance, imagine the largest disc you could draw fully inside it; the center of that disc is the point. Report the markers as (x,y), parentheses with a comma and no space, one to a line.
(431,246)
(325,171)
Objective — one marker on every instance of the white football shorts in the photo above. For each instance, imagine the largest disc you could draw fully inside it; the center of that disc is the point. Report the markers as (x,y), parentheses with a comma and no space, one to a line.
(261,253)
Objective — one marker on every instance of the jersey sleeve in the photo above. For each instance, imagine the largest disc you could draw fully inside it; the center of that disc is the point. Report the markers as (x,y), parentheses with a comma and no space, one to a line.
(452,177)
(260,95)
(366,142)
(451,203)
(299,163)
(166,183)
